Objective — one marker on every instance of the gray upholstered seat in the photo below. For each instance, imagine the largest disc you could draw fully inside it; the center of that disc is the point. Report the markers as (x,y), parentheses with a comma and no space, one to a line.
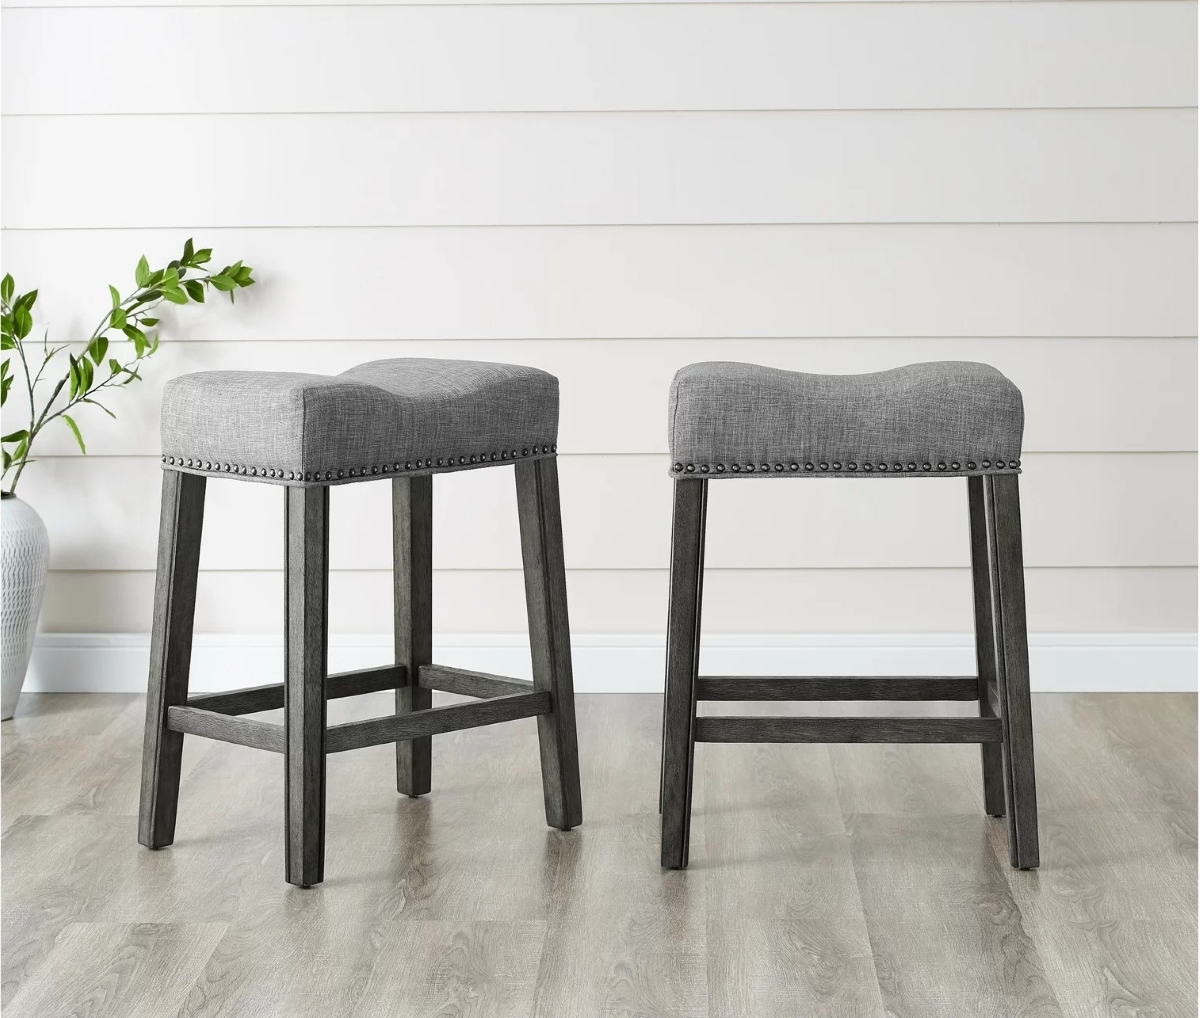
(941,418)
(405,416)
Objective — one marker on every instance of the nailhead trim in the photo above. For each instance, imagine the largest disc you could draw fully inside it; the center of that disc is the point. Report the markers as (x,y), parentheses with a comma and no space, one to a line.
(851,466)
(279,473)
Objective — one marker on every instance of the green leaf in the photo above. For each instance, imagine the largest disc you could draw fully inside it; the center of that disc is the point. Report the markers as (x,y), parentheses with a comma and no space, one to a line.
(73,376)
(148,322)
(117,319)
(153,347)
(102,407)
(26,300)
(202,256)
(222,282)
(187,251)
(15,436)
(142,272)
(98,348)
(115,294)
(155,277)
(132,373)
(22,322)
(195,290)
(86,374)
(75,429)
(6,288)
(6,340)
(21,449)
(114,366)
(243,276)
(175,296)
(7,460)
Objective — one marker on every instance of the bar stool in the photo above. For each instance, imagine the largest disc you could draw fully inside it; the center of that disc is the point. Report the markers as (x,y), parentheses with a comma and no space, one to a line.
(398,420)
(945,419)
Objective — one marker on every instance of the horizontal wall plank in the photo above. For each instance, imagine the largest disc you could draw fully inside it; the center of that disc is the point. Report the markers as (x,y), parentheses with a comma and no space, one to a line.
(1079,510)
(658,168)
(425,3)
(1070,386)
(735,601)
(647,282)
(599,57)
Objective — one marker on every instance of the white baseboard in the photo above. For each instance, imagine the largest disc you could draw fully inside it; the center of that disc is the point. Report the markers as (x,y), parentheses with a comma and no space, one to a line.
(1145,662)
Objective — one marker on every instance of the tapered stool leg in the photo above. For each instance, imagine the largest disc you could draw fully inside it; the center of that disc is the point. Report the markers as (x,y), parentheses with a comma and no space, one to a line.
(412,573)
(305,668)
(985,643)
(1013,659)
(683,655)
(179,529)
(550,637)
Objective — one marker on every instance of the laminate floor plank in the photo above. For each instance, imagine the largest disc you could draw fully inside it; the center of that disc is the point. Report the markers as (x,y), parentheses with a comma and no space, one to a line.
(786,934)
(117,970)
(947,935)
(625,937)
(824,880)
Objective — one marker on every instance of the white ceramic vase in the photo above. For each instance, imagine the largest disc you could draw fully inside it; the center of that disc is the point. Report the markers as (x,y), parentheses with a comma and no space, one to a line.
(26,555)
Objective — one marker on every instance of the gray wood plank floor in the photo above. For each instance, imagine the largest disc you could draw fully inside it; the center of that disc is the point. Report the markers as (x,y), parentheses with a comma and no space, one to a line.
(839,880)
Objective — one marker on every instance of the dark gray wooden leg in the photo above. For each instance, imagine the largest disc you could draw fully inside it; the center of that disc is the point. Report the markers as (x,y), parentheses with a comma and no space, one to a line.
(412,570)
(550,637)
(305,668)
(179,528)
(683,657)
(982,570)
(1013,666)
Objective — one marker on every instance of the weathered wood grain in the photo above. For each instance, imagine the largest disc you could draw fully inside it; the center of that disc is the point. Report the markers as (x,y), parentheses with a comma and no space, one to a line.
(306,663)
(270,697)
(228,728)
(683,658)
(846,729)
(412,584)
(545,574)
(179,527)
(837,687)
(982,569)
(1004,518)
(436,720)
(469,683)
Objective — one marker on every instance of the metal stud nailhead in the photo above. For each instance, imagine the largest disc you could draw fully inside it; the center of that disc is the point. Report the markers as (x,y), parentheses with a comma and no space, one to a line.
(852,465)
(912,466)
(837,466)
(941,466)
(883,466)
(953,466)
(678,468)
(926,466)
(986,464)
(897,466)
(735,468)
(690,468)
(339,473)
(254,471)
(808,466)
(824,466)
(461,460)
(554,448)
(750,467)
(971,465)
(524,452)
(1014,463)
(867,467)
(504,455)
(720,468)
(795,467)
(779,468)
(704,469)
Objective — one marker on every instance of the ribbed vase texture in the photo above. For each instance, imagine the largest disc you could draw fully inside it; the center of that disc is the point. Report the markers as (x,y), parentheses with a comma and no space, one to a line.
(26,554)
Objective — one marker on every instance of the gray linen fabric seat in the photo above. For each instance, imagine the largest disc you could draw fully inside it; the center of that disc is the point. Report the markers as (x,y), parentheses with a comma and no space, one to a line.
(941,418)
(402,416)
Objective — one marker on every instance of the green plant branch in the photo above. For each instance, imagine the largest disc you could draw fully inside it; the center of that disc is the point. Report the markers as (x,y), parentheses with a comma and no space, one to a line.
(129,315)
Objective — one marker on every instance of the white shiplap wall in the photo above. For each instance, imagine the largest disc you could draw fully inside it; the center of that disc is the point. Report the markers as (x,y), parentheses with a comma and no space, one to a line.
(609,191)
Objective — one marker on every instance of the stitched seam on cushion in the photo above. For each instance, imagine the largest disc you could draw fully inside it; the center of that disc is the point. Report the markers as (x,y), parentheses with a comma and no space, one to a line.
(674,414)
